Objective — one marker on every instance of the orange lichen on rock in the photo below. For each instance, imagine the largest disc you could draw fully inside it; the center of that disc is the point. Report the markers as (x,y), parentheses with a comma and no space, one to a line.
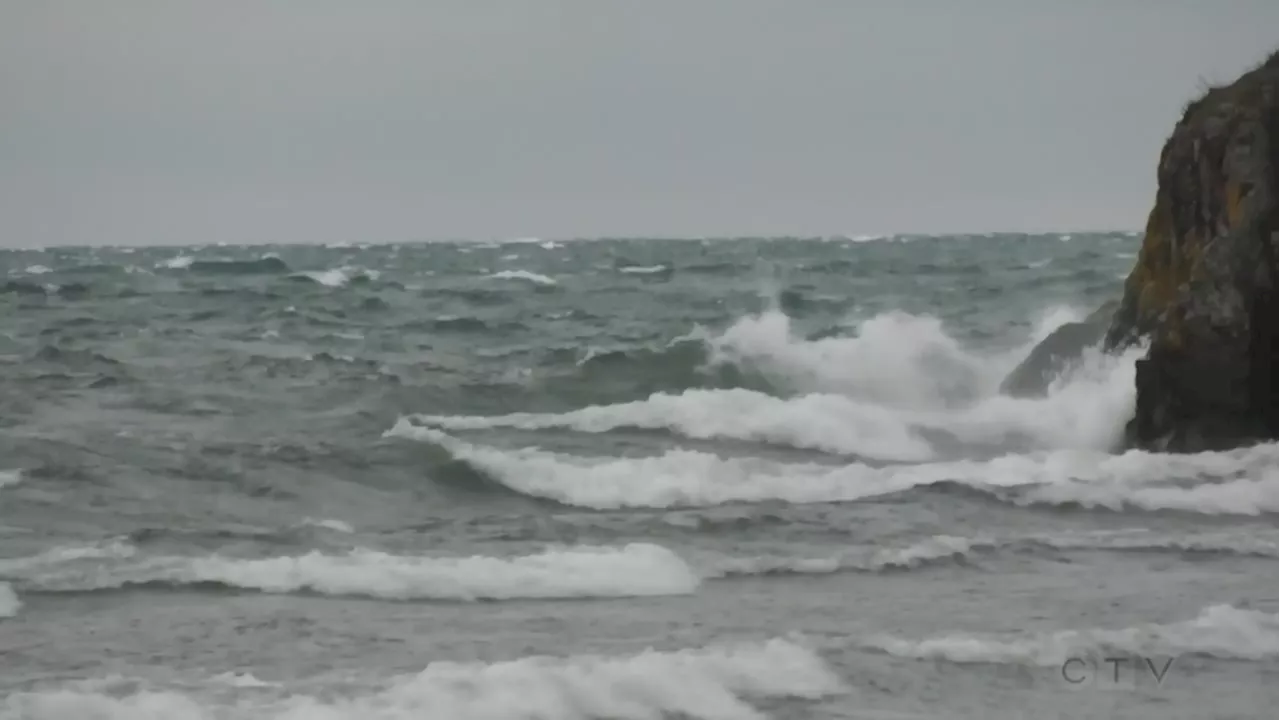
(1153,279)
(1166,264)
(1234,195)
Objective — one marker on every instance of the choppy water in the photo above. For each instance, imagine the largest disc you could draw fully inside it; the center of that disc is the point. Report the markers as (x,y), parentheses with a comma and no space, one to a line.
(604,479)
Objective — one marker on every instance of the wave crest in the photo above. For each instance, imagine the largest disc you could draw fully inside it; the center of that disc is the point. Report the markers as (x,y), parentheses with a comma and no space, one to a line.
(858,397)
(709,683)
(633,570)
(1235,482)
(1220,631)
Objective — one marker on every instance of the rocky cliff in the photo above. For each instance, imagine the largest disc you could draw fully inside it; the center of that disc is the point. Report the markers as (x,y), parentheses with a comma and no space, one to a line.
(1203,290)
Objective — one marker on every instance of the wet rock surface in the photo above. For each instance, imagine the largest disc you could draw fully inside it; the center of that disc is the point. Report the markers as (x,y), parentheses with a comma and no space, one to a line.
(1203,290)
(1054,355)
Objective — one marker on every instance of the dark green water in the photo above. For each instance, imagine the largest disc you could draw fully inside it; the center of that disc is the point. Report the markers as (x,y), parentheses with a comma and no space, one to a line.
(603,479)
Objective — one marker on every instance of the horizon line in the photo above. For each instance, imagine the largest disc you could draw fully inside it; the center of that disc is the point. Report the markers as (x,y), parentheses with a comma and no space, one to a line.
(533,239)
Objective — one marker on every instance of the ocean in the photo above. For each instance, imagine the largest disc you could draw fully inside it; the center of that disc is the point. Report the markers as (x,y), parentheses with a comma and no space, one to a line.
(624,479)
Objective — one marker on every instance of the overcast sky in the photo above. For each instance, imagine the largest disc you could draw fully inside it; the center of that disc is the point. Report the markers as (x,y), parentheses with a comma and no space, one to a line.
(330,120)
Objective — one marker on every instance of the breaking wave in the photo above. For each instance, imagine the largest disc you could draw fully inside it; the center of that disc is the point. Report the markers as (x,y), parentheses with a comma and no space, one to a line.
(9,603)
(337,277)
(895,363)
(902,391)
(574,572)
(1220,631)
(266,265)
(710,683)
(645,269)
(1234,482)
(634,570)
(875,396)
(525,275)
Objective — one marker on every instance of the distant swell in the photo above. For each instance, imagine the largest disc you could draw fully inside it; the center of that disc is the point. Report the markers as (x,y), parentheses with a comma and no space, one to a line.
(68,291)
(269,265)
(938,549)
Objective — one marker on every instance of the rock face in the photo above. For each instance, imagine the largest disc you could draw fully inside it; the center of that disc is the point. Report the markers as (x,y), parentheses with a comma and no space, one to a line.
(1203,290)
(1057,352)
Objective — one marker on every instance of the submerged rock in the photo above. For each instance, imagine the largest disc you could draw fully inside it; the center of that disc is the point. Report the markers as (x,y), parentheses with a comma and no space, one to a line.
(1055,354)
(1203,290)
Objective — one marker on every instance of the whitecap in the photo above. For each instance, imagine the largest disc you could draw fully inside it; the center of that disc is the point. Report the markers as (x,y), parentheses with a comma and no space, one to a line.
(64,554)
(9,602)
(178,262)
(680,478)
(340,276)
(715,682)
(633,570)
(1220,631)
(532,277)
(328,524)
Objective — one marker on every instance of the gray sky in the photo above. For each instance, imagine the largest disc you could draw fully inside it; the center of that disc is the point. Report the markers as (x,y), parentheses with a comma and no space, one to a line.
(328,120)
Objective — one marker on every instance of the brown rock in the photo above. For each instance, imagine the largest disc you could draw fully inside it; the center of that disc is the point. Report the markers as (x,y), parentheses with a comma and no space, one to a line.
(1203,290)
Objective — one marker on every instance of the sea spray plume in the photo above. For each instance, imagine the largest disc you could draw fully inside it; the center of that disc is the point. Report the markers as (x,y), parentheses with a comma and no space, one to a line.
(1081,412)
(914,373)
(1052,357)
(896,359)
(893,358)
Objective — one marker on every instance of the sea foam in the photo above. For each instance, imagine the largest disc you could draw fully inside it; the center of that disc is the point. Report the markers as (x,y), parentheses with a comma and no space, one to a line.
(637,569)
(1232,482)
(525,275)
(1219,631)
(901,391)
(711,683)
(9,602)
